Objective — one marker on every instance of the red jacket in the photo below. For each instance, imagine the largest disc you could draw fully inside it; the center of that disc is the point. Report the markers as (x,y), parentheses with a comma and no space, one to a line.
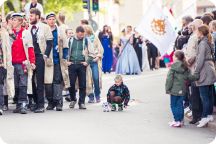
(18,52)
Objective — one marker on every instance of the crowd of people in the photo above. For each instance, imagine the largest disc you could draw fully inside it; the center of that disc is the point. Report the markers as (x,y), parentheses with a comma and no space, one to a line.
(40,59)
(192,76)
(40,56)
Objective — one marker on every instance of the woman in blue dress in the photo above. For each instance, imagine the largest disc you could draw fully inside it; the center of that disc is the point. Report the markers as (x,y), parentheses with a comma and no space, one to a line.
(128,62)
(106,39)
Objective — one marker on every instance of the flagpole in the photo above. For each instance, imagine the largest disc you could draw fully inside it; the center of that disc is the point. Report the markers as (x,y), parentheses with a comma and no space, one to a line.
(3,12)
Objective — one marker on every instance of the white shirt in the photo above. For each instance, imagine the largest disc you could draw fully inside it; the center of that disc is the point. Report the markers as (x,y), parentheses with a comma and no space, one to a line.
(27,9)
(36,29)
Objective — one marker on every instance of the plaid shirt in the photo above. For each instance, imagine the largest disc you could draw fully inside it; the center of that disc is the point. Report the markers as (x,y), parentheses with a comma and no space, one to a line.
(1,52)
(121,91)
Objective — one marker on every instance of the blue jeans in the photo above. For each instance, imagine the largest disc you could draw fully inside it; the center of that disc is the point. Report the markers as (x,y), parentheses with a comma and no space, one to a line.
(177,107)
(207,98)
(95,76)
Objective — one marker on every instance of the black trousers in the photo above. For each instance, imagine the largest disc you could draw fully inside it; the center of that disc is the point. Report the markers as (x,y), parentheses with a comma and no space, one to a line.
(152,61)
(2,78)
(139,55)
(196,103)
(38,81)
(57,77)
(78,71)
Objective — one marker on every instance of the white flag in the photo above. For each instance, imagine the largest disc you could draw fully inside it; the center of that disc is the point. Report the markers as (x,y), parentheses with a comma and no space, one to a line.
(156,27)
(213,1)
(1,2)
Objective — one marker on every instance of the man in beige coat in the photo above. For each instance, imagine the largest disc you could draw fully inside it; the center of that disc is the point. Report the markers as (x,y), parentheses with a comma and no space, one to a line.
(6,68)
(60,53)
(43,44)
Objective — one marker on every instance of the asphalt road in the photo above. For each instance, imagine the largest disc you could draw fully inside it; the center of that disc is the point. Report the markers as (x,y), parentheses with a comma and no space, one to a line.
(145,121)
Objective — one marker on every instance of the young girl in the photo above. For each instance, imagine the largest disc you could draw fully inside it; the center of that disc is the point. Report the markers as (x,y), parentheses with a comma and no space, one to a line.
(176,84)
(118,94)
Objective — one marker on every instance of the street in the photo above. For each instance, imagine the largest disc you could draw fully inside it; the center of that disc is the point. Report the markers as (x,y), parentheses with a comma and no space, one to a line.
(145,121)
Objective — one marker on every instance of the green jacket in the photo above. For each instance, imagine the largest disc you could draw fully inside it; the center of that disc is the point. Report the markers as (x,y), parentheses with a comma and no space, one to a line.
(178,78)
(77,50)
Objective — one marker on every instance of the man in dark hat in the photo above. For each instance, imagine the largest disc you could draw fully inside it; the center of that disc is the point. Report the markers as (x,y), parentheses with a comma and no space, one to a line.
(23,60)
(60,52)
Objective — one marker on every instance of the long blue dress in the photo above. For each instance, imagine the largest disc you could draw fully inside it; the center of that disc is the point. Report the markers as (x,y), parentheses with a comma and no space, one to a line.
(107,60)
(128,62)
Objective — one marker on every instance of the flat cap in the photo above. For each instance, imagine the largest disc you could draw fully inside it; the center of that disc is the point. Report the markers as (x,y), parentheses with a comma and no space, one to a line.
(49,15)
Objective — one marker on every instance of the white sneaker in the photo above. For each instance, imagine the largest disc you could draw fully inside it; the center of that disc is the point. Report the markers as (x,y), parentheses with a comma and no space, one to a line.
(214,141)
(1,112)
(203,122)
(176,124)
(211,118)
(171,123)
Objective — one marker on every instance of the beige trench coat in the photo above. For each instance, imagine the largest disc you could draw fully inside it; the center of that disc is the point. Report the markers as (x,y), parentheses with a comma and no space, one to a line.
(27,43)
(6,47)
(63,43)
(44,34)
(96,50)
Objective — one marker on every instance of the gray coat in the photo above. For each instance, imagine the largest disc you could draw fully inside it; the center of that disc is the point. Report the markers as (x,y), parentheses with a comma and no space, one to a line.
(204,63)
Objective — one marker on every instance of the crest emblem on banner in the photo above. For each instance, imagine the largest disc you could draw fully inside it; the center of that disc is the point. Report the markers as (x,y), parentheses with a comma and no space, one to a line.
(158,26)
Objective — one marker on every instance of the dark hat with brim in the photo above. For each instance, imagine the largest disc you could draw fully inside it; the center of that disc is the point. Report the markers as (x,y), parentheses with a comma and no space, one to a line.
(17,15)
(49,15)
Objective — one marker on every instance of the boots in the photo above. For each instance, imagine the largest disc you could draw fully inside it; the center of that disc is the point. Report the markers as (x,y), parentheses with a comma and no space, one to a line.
(57,96)
(120,107)
(5,108)
(23,109)
(49,96)
(50,106)
(18,107)
(59,105)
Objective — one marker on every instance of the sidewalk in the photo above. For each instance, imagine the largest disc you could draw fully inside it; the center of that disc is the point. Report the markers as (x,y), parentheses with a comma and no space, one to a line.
(212,125)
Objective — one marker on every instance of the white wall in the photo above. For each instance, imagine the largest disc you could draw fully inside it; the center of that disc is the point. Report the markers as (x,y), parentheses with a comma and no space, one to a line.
(131,12)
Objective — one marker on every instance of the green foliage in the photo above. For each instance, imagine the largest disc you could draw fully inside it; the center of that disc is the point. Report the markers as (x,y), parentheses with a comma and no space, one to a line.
(62,5)
(68,6)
